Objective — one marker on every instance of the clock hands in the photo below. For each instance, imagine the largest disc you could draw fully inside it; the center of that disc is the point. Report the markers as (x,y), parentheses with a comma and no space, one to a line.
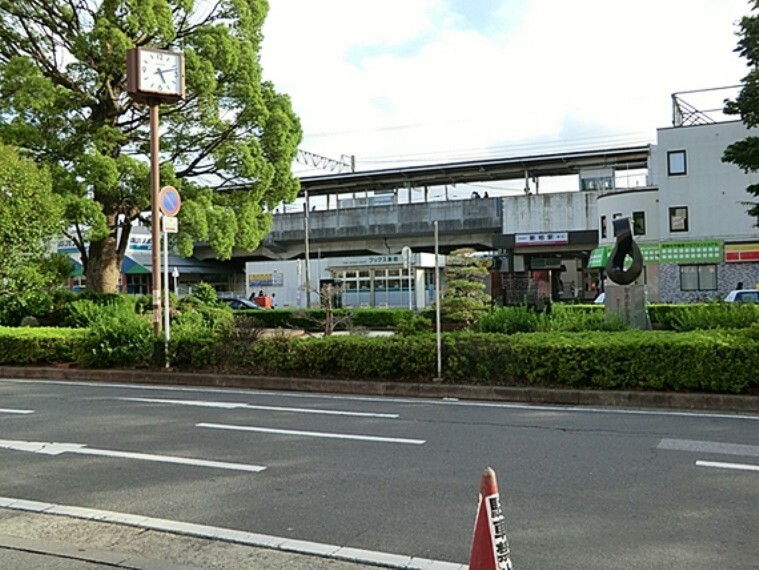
(160,72)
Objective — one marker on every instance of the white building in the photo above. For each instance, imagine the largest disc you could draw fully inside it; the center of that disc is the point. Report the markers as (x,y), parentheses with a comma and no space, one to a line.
(697,238)
(365,281)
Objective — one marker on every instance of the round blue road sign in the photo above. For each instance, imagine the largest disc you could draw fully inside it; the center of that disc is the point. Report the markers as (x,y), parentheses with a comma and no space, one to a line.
(169,201)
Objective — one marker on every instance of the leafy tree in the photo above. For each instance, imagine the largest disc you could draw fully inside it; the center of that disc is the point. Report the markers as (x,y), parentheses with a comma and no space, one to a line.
(63,101)
(464,297)
(745,153)
(30,216)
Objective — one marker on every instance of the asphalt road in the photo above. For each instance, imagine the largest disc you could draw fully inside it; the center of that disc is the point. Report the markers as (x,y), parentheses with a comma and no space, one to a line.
(581,488)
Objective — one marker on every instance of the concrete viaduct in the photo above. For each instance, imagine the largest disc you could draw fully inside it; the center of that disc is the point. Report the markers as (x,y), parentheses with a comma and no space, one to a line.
(376,222)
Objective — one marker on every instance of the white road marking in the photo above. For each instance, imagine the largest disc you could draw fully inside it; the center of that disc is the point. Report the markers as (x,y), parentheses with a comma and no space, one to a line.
(235,406)
(736,466)
(53,448)
(709,447)
(11,411)
(332,551)
(314,434)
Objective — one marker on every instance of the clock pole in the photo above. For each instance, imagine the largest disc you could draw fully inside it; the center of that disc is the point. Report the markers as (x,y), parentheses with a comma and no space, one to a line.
(142,60)
(155,184)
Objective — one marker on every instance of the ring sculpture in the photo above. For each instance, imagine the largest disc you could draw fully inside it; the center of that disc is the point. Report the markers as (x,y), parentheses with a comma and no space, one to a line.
(625,245)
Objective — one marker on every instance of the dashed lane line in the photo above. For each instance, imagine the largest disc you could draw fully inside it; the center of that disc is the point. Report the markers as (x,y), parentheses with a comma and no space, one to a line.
(243,406)
(734,466)
(321,434)
(54,448)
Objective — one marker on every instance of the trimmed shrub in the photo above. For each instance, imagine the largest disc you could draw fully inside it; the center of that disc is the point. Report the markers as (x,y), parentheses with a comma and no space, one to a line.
(313,319)
(388,358)
(412,325)
(39,345)
(704,361)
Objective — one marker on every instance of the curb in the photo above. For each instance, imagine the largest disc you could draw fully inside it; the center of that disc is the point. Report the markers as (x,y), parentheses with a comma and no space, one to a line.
(528,395)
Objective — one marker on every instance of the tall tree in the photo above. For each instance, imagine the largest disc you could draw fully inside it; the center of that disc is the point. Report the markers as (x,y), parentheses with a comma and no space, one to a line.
(464,298)
(30,217)
(228,148)
(745,153)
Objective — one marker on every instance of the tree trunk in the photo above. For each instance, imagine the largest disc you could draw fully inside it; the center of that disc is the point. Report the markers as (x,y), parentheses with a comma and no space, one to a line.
(104,266)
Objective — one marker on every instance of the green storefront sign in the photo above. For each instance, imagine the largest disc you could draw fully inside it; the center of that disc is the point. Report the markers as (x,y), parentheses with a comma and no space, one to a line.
(707,251)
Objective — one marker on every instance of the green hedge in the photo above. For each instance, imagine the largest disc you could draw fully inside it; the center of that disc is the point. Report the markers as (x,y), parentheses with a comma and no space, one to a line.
(714,361)
(39,345)
(706,361)
(313,319)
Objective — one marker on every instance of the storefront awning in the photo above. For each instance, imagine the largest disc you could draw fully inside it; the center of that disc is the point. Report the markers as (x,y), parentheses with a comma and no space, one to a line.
(130,267)
(77,268)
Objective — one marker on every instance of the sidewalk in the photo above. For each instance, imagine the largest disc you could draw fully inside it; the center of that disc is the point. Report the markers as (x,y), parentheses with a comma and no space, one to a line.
(52,542)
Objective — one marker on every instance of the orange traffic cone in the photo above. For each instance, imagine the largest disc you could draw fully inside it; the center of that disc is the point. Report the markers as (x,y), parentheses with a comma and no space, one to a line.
(490,548)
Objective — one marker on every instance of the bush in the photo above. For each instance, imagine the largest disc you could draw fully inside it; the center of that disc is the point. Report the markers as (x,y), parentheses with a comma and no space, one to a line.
(205,293)
(412,325)
(38,345)
(313,319)
(631,360)
(89,307)
(510,320)
(14,307)
(710,316)
(193,341)
(118,337)
(566,319)
(388,358)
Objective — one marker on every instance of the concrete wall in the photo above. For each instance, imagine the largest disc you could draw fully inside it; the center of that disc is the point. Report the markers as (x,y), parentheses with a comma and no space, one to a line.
(565,211)
(456,216)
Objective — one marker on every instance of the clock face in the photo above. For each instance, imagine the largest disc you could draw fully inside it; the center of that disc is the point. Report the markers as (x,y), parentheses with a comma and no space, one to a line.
(160,72)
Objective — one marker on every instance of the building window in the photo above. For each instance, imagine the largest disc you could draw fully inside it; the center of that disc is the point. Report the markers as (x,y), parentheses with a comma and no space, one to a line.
(639,223)
(604,230)
(676,163)
(678,219)
(698,277)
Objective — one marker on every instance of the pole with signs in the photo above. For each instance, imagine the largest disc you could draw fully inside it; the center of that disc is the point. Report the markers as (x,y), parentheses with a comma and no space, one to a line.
(155,181)
(406,255)
(308,252)
(166,310)
(439,338)
(169,203)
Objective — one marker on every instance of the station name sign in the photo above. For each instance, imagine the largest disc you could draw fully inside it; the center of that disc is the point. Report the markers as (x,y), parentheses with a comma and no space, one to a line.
(548,238)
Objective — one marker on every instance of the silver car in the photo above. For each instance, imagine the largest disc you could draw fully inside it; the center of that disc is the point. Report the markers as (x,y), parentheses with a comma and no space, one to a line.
(743,296)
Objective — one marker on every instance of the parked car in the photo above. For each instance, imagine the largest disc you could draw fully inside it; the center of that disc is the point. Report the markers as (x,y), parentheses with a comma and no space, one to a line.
(743,296)
(239,304)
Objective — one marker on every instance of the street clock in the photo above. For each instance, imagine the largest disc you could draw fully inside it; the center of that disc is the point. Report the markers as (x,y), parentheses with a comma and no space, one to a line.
(155,75)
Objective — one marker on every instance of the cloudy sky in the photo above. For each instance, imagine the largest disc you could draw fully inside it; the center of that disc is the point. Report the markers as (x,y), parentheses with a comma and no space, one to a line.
(415,81)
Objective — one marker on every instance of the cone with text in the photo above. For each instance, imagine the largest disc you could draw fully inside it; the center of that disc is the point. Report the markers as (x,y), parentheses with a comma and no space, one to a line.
(490,548)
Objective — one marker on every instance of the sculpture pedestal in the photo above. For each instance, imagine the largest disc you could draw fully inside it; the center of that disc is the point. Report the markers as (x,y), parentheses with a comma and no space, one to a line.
(629,303)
